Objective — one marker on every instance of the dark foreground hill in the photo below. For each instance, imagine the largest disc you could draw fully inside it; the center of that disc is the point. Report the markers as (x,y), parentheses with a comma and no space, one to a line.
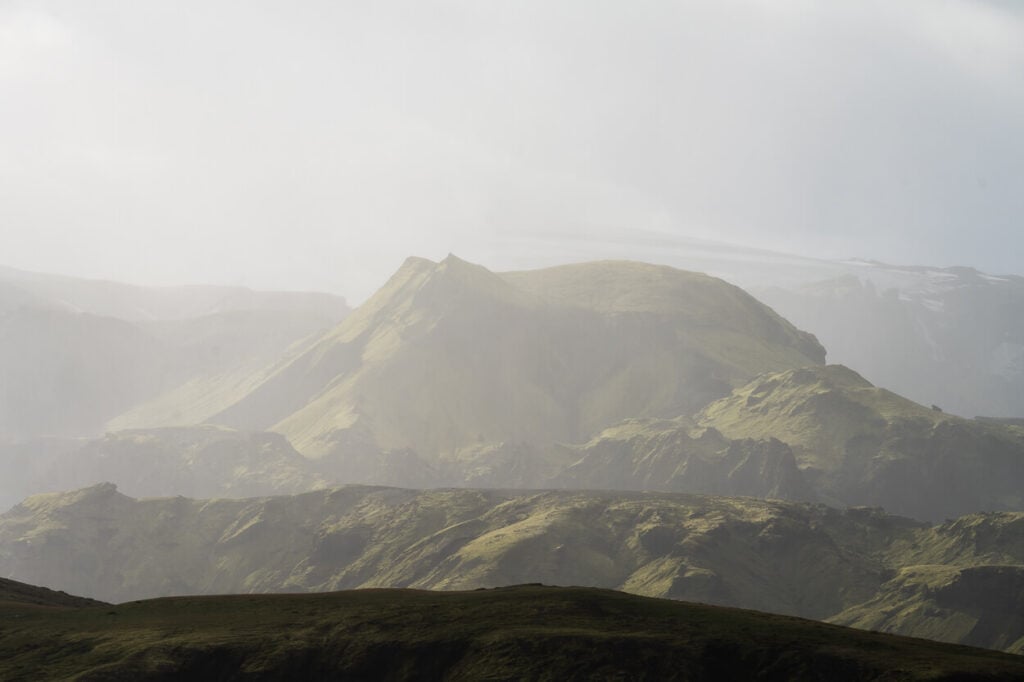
(527,632)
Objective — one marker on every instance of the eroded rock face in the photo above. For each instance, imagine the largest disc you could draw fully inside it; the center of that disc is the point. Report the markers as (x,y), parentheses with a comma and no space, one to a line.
(120,548)
(977,605)
(674,456)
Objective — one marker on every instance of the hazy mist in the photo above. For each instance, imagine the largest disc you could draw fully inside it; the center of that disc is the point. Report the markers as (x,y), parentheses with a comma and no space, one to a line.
(315,145)
(596,316)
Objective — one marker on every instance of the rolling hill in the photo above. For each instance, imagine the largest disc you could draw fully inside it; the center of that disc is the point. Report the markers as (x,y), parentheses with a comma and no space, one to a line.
(799,559)
(526,632)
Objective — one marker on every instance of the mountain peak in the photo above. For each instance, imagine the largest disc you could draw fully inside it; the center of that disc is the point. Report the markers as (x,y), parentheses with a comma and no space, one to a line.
(416,263)
(453,283)
(450,355)
(452,258)
(453,265)
(98,494)
(429,281)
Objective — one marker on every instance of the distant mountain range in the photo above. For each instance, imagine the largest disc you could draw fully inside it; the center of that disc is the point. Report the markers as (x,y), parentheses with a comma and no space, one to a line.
(611,375)
(949,336)
(683,395)
(147,303)
(75,354)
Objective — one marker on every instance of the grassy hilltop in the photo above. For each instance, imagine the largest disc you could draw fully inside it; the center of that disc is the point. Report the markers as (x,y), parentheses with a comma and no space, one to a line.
(522,633)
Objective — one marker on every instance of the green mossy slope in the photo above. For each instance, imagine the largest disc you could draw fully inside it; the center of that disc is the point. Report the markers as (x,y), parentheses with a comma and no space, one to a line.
(448,356)
(862,445)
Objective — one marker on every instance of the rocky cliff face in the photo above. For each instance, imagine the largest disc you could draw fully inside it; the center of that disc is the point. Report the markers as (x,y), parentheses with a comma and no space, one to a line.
(674,456)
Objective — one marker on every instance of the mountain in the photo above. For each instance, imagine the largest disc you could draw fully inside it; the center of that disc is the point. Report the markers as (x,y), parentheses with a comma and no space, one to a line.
(857,444)
(820,433)
(979,605)
(449,356)
(76,354)
(947,336)
(579,376)
(217,461)
(216,358)
(791,558)
(137,303)
(66,373)
(950,336)
(527,632)
(965,584)
(200,461)
(679,457)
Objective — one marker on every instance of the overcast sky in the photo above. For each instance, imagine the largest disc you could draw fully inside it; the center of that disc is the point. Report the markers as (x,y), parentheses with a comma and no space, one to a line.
(314,145)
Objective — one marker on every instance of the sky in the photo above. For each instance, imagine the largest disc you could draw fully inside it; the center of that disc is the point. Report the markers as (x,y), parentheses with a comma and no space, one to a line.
(315,145)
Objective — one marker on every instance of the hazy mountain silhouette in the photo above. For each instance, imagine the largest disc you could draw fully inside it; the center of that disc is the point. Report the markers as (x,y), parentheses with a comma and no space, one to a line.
(76,353)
